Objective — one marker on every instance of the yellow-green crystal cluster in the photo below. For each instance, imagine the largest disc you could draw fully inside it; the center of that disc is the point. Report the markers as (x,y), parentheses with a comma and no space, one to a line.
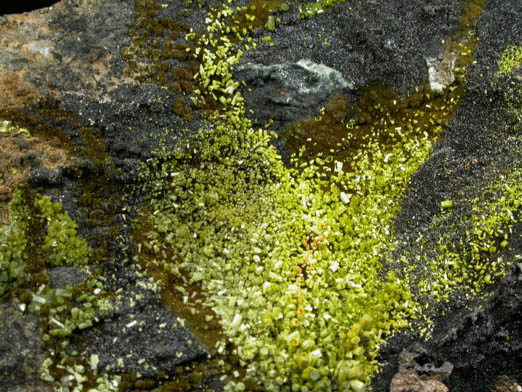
(510,59)
(13,244)
(62,243)
(290,259)
(68,313)
(218,55)
(465,265)
(78,374)
(61,246)
(6,128)
(314,7)
(508,63)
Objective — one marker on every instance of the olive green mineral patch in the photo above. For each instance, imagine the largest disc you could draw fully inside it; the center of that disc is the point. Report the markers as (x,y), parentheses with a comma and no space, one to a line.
(309,8)
(467,256)
(13,244)
(290,269)
(62,243)
(510,60)
(290,259)
(53,241)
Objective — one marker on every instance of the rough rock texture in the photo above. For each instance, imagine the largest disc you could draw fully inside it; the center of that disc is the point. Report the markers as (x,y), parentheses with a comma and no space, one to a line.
(93,120)
(289,92)
(20,351)
(376,41)
(62,77)
(144,329)
(417,375)
(482,343)
(505,384)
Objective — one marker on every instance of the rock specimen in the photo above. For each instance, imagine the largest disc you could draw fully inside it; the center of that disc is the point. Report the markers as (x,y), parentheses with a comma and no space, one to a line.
(264,195)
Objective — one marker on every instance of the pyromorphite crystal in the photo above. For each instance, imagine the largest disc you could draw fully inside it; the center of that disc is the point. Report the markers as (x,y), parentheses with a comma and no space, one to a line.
(302,262)
(13,244)
(288,258)
(446,204)
(510,59)
(61,241)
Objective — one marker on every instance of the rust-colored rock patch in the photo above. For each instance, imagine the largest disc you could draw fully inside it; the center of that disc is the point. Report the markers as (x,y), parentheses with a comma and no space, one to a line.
(15,92)
(19,155)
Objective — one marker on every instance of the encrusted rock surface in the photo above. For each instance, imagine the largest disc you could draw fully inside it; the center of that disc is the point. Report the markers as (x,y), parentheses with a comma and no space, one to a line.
(417,374)
(94,116)
(289,92)
(20,352)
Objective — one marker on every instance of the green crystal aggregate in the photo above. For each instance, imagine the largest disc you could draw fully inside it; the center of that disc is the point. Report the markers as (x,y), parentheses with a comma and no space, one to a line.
(13,244)
(509,63)
(7,128)
(291,268)
(290,259)
(310,8)
(465,259)
(62,243)
(63,310)
(510,59)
